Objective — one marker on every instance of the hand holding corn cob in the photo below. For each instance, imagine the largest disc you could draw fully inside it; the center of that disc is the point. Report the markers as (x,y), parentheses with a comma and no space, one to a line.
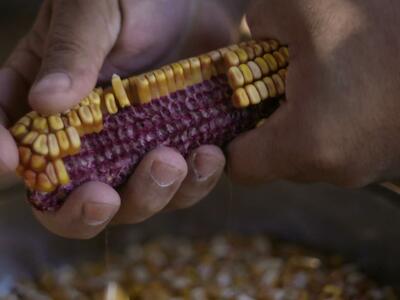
(341,121)
(319,134)
(75,38)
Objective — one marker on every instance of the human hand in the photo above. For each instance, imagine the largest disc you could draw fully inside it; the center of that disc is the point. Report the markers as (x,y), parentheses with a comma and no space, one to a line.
(341,121)
(58,63)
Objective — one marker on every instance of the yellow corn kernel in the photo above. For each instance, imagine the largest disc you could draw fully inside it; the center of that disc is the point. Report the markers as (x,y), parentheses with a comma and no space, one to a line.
(250,52)
(218,63)
(161,82)
(253,94)
(231,59)
(74,139)
(155,93)
(235,78)
(30,179)
(179,76)
(240,98)
(195,69)
(248,76)
(51,174)
(25,121)
(86,115)
(63,141)
(143,89)
(206,67)
(262,64)
(94,98)
(255,70)
(19,131)
(242,54)
(262,89)
(271,61)
(24,155)
(40,145)
(40,125)
(185,64)
(120,91)
(43,183)
(270,86)
(62,174)
(38,163)
(54,148)
(280,59)
(279,84)
(55,123)
(110,104)
(169,74)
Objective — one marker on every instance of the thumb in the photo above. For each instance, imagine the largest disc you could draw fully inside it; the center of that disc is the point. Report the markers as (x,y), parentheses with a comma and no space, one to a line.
(80,36)
(281,20)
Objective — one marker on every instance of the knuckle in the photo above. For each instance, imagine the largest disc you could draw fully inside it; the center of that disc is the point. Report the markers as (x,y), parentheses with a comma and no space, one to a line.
(331,161)
(327,159)
(35,41)
(326,154)
(64,43)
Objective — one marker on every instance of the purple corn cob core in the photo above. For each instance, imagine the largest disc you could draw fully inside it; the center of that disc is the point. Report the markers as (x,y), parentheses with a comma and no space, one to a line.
(201,114)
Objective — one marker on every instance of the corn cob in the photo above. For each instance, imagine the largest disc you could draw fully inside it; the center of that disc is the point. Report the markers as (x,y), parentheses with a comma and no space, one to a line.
(208,99)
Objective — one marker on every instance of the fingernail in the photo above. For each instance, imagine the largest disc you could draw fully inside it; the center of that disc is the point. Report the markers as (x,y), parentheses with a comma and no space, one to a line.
(204,166)
(164,174)
(55,82)
(95,214)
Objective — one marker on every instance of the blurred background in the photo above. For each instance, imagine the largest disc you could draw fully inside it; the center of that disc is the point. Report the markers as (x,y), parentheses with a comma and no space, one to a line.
(363,225)
(16,18)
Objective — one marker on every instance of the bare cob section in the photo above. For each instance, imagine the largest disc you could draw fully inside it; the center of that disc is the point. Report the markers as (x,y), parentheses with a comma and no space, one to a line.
(208,99)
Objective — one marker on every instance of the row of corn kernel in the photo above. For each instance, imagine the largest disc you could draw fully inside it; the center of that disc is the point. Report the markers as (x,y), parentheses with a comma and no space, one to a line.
(159,83)
(178,76)
(255,69)
(87,116)
(51,136)
(171,78)
(255,92)
(46,177)
(39,164)
(251,50)
(43,142)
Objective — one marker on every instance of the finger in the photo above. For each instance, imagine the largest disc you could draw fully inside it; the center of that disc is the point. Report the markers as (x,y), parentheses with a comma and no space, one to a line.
(81,35)
(265,153)
(85,214)
(275,19)
(205,168)
(8,152)
(152,186)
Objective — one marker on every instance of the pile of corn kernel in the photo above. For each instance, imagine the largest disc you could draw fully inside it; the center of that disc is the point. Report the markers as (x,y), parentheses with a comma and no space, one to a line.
(222,267)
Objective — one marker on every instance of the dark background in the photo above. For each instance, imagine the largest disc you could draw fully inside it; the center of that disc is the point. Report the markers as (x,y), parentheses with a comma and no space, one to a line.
(16,17)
